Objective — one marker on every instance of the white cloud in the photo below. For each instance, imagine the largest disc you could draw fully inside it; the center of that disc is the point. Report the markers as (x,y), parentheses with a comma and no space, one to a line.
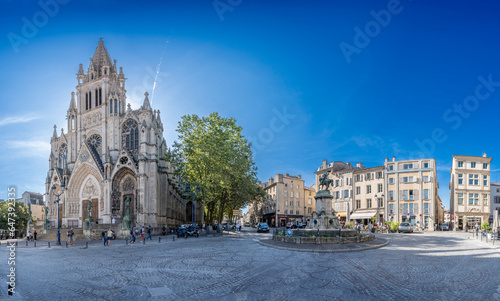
(29,148)
(18,119)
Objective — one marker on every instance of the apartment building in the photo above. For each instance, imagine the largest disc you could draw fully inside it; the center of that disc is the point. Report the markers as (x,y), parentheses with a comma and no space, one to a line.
(287,200)
(368,195)
(470,191)
(412,196)
(494,200)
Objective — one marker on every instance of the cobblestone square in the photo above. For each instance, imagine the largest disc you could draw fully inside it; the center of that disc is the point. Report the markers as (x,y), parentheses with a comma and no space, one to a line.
(419,266)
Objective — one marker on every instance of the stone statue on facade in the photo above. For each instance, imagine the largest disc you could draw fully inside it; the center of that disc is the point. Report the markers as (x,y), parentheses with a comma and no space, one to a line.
(126,217)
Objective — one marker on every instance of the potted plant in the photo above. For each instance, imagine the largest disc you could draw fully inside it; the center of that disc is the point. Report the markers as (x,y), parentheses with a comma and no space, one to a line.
(486,227)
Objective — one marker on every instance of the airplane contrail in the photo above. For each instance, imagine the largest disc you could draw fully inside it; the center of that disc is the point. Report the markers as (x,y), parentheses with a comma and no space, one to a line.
(158,72)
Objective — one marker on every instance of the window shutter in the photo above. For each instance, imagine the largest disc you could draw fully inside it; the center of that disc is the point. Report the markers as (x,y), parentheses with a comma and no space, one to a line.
(415,208)
(401,194)
(415,194)
(401,209)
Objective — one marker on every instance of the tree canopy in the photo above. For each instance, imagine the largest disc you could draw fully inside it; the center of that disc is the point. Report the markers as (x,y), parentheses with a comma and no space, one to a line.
(21,217)
(212,153)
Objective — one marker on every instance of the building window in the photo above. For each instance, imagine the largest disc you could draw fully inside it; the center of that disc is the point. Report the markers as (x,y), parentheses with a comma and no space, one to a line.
(358,190)
(367,176)
(426,207)
(426,178)
(368,203)
(391,167)
(358,204)
(96,141)
(286,193)
(291,203)
(291,194)
(391,209)
(426,165)
(298,204)
(411,208)
(426,194)
(473,198)
(379,175)
(368,189)
(407,166)
(408,194)
(406,208)
(286,211)
(309,210)
(473,179)
(130,134)
(346,193)
(309,201)
(485,165)
(497,200)
(379,188)
(460,179)
(63,156)
(460,163)
(485,199)
(473,165)
(298,195)
(485,180)
(391,180)
(380,202)
(337,195)
(460,198)
(391,195)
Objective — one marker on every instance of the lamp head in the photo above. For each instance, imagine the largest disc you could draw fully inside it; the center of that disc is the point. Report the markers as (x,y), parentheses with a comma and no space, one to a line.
(53,187)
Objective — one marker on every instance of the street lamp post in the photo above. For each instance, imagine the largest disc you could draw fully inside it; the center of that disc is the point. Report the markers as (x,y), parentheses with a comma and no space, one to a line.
(378,207)
(192,201)
(57,201)
(304,219)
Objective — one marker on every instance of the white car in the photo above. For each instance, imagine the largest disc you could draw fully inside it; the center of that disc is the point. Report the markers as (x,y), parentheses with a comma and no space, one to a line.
(405,227)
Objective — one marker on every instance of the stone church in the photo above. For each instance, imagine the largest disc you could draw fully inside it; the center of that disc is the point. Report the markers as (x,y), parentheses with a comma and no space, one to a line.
(110,154)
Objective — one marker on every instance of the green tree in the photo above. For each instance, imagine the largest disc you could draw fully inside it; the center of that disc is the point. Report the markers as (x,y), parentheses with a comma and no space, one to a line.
(212,153)
(20,218)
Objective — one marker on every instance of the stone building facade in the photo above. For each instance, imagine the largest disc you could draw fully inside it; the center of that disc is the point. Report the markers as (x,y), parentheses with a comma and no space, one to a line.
(110,154)
(470,191)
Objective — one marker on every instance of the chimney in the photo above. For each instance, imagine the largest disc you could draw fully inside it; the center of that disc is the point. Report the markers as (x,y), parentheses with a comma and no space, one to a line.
(358,165)
(287,174)
(393,159)
(484,155)
(299,176)
(325,163)
(386,160)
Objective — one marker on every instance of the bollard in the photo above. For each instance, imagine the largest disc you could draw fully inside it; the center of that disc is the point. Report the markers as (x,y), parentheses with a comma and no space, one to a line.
(87,244)
(66,244)
(159,239)
(16,243)
(26,243)
(143,241)
(126,242)
(35,243)
(173,238)
(49,244)
(340,233)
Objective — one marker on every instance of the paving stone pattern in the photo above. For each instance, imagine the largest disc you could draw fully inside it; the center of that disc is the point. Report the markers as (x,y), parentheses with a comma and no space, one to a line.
(429,266)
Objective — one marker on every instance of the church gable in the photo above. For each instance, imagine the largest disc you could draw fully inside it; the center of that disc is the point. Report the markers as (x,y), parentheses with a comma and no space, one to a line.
(125,159)
(88,155)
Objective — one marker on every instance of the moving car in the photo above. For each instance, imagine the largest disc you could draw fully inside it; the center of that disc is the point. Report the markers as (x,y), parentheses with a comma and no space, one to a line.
(262,227)
(405,227)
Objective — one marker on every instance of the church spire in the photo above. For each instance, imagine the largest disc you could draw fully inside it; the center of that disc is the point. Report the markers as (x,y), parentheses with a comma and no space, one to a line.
(146,105)
(100,59)
(72,104)
(54,135)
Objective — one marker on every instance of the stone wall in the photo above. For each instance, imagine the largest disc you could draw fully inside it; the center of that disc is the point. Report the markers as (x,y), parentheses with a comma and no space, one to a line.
(323,240)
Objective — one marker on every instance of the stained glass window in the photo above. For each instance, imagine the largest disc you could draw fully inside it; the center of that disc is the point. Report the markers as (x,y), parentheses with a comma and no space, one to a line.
(130,135)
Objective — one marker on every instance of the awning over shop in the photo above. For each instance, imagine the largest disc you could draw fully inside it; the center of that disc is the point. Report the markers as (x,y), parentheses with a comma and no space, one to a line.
(363,215)
(342,214)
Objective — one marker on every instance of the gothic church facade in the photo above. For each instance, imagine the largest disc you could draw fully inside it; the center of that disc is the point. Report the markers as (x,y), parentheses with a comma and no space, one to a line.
(111,152)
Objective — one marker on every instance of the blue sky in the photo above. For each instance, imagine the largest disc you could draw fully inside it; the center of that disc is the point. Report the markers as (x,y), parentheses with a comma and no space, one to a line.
(277,67)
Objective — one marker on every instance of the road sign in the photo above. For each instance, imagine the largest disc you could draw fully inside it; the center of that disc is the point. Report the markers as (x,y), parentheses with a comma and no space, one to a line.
(237,212)
(289,232)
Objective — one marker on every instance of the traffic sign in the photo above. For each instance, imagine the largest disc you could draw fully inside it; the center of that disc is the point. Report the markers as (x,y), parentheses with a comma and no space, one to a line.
(289,232)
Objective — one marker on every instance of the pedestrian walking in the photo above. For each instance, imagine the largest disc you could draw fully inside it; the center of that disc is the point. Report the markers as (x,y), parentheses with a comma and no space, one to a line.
(34,233)
(132,236)
(142,233)
(149,233)
(113,221)
(105,236)
(110,235)
(70,236)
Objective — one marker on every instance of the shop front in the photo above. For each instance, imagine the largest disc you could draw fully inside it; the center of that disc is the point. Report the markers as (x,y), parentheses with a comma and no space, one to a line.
(363,217)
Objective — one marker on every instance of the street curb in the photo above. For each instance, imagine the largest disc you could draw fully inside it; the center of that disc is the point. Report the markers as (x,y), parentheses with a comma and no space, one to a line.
(324,251)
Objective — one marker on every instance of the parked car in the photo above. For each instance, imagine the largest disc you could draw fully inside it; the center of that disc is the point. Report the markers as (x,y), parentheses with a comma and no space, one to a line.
(262,227)
(291,225)
(247,224)
(405,227)
(445,227)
